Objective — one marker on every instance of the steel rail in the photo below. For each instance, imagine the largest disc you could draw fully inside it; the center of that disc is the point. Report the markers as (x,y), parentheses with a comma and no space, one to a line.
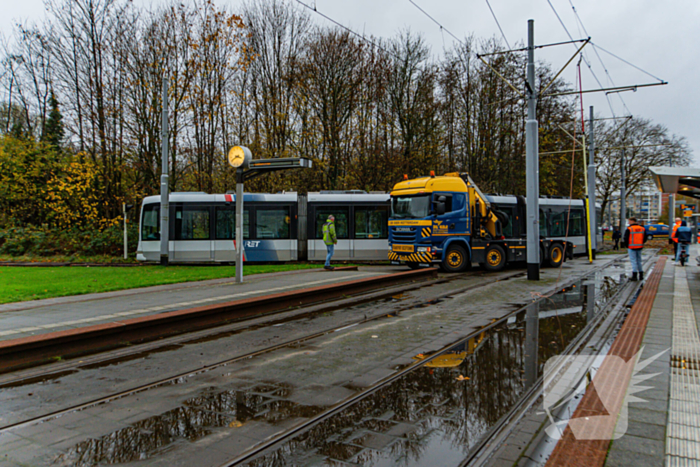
(303,426)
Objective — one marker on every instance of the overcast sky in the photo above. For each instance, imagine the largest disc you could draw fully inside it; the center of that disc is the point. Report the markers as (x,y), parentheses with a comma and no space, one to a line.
(659,37)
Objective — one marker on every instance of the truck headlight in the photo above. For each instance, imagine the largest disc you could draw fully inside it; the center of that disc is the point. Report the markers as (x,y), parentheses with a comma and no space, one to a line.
(423,249)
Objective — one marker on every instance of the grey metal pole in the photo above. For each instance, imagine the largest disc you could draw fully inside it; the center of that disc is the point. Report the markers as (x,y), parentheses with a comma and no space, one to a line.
(623,195)
(239,226)
(532,322)
(671,212)
(590,301)
(126,241)
(164,188)
(532,165)
(591,186)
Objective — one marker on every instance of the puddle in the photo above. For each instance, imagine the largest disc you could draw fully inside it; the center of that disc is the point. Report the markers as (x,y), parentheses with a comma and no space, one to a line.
(438,413)
(197,417)
(434,415)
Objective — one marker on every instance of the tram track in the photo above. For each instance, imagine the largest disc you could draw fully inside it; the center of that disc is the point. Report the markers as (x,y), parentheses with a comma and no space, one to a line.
(620,297)
(31,376)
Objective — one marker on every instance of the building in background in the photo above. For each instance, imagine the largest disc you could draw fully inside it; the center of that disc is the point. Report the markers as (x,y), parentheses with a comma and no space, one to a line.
(646,206)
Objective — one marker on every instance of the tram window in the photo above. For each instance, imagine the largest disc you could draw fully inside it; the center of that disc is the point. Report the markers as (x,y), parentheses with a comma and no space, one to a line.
(557,225)
(191,223)
(576,223)
(371,222)
(150,224)
(226,223)
(543,224)
(508,228)
(341,215)
(272,223)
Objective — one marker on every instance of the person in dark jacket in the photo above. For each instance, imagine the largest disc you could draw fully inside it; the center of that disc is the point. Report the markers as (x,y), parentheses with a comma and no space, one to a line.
(616,236)
(634,240)
(682,235)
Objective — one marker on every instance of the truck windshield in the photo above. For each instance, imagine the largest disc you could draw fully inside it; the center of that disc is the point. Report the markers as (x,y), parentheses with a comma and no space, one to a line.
(410,207)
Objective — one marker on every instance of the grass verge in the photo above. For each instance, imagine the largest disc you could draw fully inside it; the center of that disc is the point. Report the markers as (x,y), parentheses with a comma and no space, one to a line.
(18,284)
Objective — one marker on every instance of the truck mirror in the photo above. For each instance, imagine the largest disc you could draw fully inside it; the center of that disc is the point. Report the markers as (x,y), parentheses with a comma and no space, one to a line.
(440,208)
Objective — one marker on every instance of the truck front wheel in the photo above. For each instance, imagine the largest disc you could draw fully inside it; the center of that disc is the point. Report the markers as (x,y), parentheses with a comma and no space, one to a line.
(455,260)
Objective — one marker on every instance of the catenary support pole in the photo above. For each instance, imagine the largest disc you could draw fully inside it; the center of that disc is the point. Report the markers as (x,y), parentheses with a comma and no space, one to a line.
(591,185)
(239,225)
(623,195)
(532,165)
(590,301)
(164,184)
(126,240)
(532,321)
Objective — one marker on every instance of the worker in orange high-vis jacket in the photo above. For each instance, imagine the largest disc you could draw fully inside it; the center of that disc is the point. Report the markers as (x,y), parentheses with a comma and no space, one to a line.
(672,237)
(634,241)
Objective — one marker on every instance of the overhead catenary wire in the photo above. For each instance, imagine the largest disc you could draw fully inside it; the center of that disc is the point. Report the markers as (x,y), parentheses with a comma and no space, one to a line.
(625,61)
(607,98)
(342,26)
(442,28)
(607,73)
(497,23)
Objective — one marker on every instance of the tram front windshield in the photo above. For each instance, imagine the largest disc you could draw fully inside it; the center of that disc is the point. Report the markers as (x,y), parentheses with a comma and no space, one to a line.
(410,207)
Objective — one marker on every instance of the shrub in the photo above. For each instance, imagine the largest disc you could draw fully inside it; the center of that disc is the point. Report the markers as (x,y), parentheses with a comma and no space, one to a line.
(21,241)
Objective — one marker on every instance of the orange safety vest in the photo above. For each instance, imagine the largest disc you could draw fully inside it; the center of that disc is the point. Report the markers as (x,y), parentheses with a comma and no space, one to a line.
(673,233)
(636,240)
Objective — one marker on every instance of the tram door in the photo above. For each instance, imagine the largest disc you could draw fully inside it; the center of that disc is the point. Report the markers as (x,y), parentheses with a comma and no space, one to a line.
(224,249)
(192,227)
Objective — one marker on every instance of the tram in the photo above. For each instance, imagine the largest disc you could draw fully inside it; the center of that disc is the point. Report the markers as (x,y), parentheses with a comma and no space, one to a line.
(277,227)
(554,215)
(288,226)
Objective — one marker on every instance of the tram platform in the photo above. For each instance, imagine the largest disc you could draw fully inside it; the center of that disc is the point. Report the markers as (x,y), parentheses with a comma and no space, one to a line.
(665,424)
(32,318)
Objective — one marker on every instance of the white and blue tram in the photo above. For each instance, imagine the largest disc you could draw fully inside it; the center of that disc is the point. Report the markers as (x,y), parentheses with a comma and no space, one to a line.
(288,226)
(554,214)
(277,227)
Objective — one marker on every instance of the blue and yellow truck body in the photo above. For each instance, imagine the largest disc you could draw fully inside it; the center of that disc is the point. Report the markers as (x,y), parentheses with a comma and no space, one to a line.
(447,220)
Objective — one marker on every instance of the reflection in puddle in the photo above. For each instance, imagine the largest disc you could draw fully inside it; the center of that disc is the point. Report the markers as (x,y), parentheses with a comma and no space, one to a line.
(435,414)
(438,413)
(196,418)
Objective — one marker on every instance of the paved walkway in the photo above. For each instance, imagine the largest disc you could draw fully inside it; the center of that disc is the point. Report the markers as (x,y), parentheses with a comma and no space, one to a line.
(665,425)
(25,319)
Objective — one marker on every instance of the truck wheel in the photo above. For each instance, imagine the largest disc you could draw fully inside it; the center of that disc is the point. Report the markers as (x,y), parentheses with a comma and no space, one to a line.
(495,258)
(455,260)
(556,255)
(650,237)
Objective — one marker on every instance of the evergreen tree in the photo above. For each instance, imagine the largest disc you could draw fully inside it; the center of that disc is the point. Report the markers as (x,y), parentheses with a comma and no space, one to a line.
(53,129)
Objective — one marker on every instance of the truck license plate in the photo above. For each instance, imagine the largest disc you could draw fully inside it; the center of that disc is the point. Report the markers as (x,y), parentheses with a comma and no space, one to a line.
(403,248)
